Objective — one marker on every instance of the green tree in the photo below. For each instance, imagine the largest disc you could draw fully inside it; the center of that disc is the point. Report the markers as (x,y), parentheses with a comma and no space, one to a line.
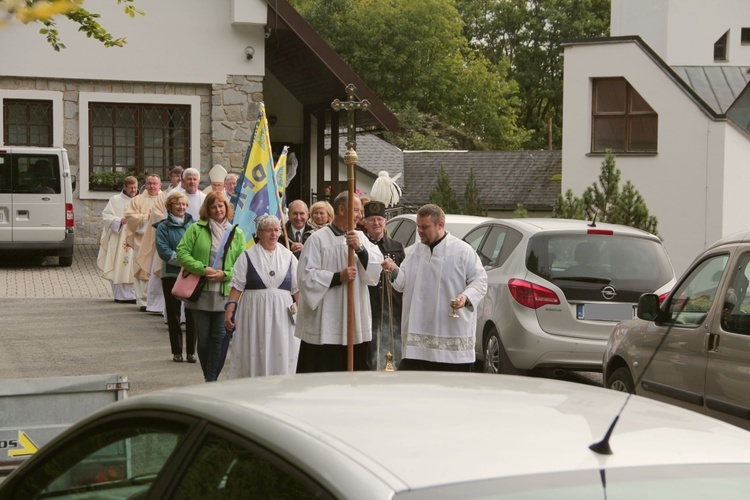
(528,35)
(45,12)
(414,53)
(607,203)
(443,194)
(472,201)
(520,212)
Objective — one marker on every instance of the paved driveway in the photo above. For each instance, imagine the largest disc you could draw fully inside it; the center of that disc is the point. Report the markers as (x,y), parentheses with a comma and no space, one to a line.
(63,321)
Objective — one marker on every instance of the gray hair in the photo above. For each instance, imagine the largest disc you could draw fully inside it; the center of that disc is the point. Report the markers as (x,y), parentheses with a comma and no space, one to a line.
(266,220)
(191,171)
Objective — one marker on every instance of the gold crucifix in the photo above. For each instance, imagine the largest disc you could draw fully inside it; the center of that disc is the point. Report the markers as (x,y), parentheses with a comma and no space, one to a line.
(350,158)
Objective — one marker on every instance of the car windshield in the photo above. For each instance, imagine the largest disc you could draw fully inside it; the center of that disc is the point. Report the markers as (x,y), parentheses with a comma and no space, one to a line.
(725,481)
(626,262)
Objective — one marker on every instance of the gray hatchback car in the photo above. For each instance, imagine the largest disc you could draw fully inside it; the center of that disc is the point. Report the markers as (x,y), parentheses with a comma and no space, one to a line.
(557,287)
(701,336)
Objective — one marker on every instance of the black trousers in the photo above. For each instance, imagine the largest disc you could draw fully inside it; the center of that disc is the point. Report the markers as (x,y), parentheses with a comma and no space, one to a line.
(173,307)
(434,366)
(315,358)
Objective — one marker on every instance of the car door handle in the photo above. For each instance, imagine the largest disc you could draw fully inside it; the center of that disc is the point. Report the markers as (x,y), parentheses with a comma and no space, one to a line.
(713,342)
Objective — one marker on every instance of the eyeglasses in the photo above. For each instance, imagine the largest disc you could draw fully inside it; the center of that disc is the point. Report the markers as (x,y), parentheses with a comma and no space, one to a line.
(272,230)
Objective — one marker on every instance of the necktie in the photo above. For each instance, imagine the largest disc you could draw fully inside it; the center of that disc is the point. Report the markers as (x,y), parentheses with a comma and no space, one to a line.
(297,237)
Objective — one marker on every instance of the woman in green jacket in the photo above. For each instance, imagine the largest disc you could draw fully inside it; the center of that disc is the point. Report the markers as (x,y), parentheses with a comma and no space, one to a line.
(197,252)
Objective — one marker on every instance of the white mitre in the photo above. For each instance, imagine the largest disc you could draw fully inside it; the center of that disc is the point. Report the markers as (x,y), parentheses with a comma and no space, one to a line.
(217,174)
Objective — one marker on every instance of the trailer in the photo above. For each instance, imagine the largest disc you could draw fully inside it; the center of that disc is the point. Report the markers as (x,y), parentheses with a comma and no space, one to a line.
(35,410)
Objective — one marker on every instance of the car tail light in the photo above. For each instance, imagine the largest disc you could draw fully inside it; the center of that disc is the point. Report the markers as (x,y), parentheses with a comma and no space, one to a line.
(663,297)
(607,232)
(69,221)
(531,295)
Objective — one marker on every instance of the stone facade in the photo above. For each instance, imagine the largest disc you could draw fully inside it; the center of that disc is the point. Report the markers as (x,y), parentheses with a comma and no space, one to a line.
(234,110)
(228,115)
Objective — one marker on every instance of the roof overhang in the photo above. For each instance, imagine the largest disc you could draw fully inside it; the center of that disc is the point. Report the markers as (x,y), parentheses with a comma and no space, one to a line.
(312,71)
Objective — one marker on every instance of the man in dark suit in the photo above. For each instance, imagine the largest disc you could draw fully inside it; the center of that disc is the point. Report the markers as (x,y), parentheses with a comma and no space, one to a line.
(297,227)
(384,301)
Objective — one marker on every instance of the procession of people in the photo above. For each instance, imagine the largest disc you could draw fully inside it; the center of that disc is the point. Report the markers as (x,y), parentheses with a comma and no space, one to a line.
(276,302)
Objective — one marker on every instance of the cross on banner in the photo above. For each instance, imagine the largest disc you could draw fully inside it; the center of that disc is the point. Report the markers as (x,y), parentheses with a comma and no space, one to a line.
(350,158)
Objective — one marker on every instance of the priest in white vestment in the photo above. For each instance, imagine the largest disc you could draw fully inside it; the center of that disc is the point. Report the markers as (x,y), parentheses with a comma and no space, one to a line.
(440,274)
(323,275)
(116,256)
(144,210)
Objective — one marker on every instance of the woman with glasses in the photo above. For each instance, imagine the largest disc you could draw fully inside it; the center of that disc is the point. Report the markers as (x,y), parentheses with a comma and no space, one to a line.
(210,248)
(261,307)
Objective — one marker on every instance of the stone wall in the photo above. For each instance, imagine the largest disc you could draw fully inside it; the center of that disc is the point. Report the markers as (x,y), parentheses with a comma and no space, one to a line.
(228,115)
(234,111)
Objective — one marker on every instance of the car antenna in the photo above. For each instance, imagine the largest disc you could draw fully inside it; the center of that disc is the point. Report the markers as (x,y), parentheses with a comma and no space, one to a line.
(602,447)
(593,222)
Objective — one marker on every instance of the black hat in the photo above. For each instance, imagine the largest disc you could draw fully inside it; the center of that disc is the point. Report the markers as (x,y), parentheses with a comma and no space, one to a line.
(374,208)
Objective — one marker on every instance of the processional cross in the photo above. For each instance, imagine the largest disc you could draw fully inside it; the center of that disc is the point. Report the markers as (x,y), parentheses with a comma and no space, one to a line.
(350,158)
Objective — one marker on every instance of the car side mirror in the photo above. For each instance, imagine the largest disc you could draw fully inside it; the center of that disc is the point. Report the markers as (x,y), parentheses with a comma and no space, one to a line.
(648,307)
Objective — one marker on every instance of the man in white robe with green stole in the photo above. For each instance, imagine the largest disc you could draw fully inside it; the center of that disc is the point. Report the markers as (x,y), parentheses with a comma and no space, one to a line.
(144,210)
(116,256)
(323,275)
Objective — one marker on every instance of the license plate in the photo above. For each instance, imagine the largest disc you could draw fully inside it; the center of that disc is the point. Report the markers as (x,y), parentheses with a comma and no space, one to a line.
(605,312)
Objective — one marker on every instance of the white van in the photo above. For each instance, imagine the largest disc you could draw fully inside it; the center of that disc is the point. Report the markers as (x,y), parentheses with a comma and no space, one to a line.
(36,202)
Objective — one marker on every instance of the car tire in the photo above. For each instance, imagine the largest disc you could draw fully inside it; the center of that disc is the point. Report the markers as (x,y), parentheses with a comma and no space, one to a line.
(65,261)
(496,358)
(621,381)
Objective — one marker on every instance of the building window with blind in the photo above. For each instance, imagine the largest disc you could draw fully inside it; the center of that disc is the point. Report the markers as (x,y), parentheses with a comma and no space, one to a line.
(27,122)
(621,119)
(137,139)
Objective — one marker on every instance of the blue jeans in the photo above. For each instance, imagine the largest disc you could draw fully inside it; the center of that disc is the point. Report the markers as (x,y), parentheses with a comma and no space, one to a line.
(210,330)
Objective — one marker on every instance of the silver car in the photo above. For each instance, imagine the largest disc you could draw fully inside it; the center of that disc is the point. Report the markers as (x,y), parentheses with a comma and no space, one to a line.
(404,227)
(701,334)
(557,287)
(406,435)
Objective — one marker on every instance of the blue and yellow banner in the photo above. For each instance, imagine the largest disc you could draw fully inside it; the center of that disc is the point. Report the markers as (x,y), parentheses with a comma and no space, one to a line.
(256,192)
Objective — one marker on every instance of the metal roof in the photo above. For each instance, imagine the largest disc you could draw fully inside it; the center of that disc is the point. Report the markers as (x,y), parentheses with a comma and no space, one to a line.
(718,86)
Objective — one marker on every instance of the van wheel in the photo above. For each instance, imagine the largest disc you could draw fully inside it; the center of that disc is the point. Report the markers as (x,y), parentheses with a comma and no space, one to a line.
(621,381)
(65,261)
(496,359)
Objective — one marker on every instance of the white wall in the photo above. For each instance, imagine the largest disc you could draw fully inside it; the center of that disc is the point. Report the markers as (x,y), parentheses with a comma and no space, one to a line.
(674,181)
(683,32)
(189,41)
(736,208)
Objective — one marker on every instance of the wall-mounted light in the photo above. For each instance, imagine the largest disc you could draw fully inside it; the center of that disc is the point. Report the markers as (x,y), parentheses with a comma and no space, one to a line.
(249,52)
(272,119)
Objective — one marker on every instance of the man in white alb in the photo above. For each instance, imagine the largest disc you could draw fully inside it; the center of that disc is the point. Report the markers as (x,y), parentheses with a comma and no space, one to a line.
(116,256)
(191,177)
(440,274)
(143,211)
(323,275)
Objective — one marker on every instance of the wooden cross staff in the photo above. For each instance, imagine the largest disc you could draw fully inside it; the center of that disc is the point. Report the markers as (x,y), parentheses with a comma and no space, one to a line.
(350,158)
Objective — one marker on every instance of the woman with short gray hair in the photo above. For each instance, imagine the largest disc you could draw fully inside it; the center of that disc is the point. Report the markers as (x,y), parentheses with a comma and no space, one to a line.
(261,306)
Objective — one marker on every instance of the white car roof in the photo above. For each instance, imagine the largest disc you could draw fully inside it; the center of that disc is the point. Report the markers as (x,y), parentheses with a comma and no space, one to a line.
(409,430)
(528,225)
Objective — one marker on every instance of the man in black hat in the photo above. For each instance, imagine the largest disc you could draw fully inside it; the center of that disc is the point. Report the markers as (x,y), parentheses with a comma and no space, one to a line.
(384,301)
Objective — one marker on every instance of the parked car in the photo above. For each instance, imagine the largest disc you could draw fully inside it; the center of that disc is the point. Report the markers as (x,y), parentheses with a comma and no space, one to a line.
(701,335)
(404,227)
(36,202)
(557,287)
(406,435)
